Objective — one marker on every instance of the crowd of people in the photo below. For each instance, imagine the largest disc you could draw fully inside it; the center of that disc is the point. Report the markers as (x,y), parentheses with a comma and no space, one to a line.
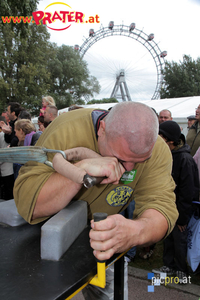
(155,156)
(17,129)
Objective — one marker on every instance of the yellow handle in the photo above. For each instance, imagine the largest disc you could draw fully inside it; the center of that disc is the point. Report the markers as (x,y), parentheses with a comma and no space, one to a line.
(100,278)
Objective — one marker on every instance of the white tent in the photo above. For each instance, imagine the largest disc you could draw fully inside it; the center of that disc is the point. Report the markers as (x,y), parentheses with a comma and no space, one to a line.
(180,108)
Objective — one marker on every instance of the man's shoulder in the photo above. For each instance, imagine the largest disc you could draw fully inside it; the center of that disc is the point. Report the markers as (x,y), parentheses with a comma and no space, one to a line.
(193,128)
(160,145)
(74,114)
(161,154)
(68,128)
(161,157)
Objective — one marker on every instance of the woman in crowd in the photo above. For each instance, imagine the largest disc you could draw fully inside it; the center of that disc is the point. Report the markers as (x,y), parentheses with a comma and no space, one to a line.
(24,130)
(42,124)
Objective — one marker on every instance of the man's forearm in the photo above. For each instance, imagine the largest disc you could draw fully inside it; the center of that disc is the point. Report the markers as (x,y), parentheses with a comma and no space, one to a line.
(152,226)
(55,194)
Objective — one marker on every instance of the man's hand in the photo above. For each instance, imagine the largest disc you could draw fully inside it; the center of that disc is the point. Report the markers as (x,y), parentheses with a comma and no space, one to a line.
(110,236)
(108,167)
(94,165)
(6,128)
(117,234)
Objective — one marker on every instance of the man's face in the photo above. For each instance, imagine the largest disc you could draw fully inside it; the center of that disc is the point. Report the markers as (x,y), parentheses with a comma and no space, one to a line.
(169,143)
(198,113)
(11,115)
(47,117)
(164,116)
(191,122)
(120,149)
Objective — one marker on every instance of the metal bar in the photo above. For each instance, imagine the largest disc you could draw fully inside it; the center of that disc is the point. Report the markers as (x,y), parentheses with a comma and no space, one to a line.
(119,279)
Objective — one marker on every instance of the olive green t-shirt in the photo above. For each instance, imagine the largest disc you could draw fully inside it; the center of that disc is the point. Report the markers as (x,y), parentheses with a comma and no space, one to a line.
(152,187)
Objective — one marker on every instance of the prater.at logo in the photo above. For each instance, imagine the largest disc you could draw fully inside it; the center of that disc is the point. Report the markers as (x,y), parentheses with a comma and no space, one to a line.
(60,16)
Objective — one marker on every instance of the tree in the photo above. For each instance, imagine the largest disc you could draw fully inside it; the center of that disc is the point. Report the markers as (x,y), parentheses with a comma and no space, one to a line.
(181,80)
(70,79)
(31,66)
(23,66)
(23,50)
(18,8)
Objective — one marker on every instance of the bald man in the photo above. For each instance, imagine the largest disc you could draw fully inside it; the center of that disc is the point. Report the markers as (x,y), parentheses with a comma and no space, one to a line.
(50,113)
(119,146)
(164,115)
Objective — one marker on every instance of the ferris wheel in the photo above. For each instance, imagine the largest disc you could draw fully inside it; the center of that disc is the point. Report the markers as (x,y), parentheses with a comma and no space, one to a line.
(136,67)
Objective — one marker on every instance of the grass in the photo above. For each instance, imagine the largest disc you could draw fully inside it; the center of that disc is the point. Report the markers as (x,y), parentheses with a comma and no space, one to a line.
(156,261)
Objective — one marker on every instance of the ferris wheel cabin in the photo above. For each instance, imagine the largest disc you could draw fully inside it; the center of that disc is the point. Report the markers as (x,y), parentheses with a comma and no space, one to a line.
(111,25)
(151,37)
(76,47)
(132,27)
(163,54)
(91,32)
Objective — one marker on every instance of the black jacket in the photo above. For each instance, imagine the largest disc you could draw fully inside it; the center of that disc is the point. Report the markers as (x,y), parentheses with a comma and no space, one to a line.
(186,176)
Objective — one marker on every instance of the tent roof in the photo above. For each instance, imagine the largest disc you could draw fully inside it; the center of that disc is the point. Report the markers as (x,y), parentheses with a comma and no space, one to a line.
(179,107)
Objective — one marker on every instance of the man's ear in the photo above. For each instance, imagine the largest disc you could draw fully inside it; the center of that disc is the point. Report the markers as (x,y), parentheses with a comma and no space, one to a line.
(101,130)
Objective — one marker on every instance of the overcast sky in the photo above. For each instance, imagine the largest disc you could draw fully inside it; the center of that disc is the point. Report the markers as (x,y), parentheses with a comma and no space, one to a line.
(176,28)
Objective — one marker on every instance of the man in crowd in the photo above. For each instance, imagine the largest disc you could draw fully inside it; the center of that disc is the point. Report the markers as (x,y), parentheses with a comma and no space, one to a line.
(164,115)
(191,120)
(115,144)
(13,111)
(193,136)
(50,113)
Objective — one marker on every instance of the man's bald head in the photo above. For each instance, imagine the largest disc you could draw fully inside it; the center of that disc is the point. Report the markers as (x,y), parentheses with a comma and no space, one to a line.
(164,115)
(136,123)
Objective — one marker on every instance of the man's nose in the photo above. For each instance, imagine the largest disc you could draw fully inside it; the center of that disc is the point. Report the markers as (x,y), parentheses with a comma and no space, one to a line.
(128,166)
